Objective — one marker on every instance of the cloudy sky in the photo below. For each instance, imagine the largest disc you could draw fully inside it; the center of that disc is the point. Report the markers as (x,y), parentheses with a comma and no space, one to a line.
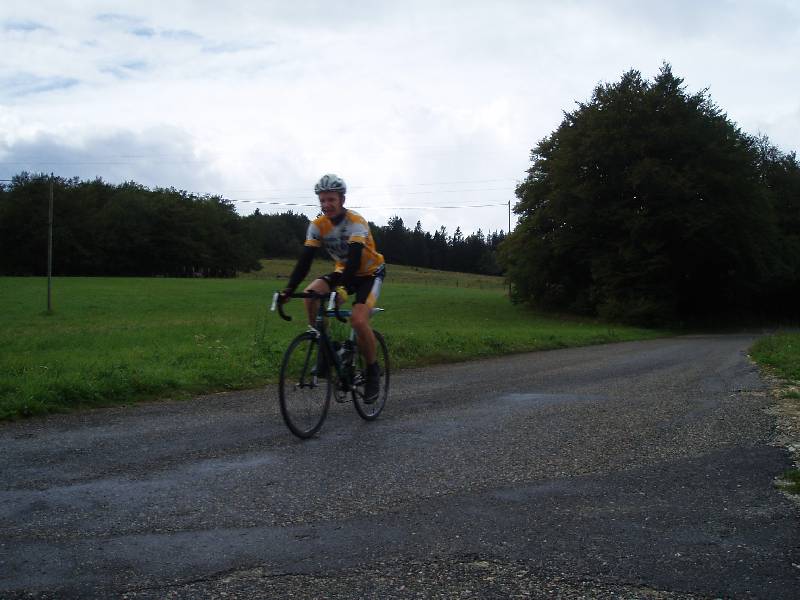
(419,105)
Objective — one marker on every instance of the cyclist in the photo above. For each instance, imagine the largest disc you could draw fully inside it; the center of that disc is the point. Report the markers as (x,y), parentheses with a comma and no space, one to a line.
(359,269)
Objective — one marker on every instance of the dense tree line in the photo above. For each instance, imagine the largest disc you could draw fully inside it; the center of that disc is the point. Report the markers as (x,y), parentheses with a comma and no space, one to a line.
(283,235)
(279,235)
(649,205)
(128,229)
(474,253)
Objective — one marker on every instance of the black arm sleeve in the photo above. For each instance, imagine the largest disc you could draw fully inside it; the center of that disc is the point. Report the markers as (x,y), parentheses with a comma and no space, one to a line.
(302,267)
(354,250)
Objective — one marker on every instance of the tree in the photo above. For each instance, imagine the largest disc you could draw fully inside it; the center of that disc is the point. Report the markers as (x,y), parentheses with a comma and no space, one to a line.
(395,241)
(418,249)
(644,205)
(439,249)
(23,226)
(779,174)
(126,229)
(279,235)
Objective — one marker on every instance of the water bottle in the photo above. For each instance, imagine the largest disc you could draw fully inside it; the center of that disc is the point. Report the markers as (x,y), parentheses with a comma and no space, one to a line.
(346,352)
(340,351)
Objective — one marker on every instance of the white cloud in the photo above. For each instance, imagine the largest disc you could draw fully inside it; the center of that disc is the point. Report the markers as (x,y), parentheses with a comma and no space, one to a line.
(415,104)
(155,158)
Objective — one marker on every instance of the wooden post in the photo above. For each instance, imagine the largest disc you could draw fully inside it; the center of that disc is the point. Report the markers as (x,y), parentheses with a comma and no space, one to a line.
(507,234)
(50,249)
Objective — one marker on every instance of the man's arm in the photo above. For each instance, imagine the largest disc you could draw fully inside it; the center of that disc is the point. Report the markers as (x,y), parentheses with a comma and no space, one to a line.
(354,250)
(300,269)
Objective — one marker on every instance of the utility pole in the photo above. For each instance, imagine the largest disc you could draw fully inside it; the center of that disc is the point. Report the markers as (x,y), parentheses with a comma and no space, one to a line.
(507,234)
(50,249)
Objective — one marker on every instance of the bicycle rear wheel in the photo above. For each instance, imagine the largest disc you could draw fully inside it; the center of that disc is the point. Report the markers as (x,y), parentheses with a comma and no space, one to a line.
(304,394)
(370,412)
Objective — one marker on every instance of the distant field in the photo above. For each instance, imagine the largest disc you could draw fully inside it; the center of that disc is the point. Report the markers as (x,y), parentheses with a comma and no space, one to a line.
(281,269)
(118,340)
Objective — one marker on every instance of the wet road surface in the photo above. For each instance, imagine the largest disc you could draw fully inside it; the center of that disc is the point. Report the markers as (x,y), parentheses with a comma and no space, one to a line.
(636,470)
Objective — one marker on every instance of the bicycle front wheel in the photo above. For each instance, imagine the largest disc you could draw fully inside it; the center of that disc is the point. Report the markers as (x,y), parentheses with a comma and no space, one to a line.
(370,411)
(305,393)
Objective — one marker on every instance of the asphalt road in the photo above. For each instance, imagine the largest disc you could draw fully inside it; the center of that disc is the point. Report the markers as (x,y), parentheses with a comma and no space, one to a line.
(635,470)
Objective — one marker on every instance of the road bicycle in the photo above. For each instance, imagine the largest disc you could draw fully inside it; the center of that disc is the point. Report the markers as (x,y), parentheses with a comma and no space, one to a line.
(322,362)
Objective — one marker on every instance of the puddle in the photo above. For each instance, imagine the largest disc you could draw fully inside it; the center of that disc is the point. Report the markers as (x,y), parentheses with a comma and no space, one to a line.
(216,466)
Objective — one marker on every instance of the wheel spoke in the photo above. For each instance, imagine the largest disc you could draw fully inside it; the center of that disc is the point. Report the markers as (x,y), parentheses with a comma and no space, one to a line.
(371,411)
(304,396)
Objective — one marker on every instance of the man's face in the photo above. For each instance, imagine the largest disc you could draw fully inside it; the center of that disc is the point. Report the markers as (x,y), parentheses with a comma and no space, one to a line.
(331,204)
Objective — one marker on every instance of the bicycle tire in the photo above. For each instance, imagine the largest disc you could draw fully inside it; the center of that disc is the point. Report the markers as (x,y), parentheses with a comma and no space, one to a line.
(370,412)
(304,396)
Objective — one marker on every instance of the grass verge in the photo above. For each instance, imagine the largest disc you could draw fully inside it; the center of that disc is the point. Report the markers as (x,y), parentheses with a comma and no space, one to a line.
(780,354)
(119,340)
(790,481)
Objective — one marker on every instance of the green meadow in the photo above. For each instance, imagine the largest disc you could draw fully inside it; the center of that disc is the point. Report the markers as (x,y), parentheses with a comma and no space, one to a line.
(120,340)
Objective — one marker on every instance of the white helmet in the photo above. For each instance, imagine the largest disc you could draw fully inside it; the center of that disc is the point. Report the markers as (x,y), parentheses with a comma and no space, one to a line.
(330,183)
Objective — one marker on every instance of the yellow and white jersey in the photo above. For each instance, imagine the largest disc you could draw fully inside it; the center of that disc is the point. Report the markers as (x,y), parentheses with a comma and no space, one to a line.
(335,238)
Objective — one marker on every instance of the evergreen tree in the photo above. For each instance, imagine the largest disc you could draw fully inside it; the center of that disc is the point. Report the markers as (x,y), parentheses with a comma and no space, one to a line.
(126,229)
(644,205)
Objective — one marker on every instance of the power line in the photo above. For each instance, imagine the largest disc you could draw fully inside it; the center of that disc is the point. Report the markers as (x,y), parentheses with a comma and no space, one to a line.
(113,159)
(52,163)
(281,202)
(503,189)
(374,207)
(354,188)
(298,189)
(282,198)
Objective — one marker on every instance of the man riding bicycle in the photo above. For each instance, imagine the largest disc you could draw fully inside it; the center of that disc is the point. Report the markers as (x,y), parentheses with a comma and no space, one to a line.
(359,269)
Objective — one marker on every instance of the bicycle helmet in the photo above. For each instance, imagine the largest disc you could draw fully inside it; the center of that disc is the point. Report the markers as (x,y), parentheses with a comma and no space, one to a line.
(330,183)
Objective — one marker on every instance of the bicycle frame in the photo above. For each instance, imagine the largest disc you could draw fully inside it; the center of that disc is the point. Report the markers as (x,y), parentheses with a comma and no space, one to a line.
(320,329)
(312,368)
(330,350)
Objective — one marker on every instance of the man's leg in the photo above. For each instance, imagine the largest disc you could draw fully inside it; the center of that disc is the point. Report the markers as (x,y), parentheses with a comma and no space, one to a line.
(368,290)
(366,339)
(320,286)
(368,347)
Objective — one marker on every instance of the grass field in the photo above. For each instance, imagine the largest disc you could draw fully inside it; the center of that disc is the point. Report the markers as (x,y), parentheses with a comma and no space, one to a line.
(118,340)
(278,269)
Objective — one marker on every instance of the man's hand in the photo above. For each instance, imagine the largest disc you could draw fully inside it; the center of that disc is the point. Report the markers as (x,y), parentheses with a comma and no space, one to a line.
(285,295)
(341,294)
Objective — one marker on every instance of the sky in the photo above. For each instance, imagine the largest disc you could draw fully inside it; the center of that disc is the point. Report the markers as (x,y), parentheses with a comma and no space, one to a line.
(428,110)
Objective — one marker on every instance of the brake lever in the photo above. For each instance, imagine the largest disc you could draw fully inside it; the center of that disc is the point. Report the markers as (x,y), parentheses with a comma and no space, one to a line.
(279,305)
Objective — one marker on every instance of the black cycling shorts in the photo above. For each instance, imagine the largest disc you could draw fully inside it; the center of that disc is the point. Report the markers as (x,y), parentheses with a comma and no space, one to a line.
(367,289)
